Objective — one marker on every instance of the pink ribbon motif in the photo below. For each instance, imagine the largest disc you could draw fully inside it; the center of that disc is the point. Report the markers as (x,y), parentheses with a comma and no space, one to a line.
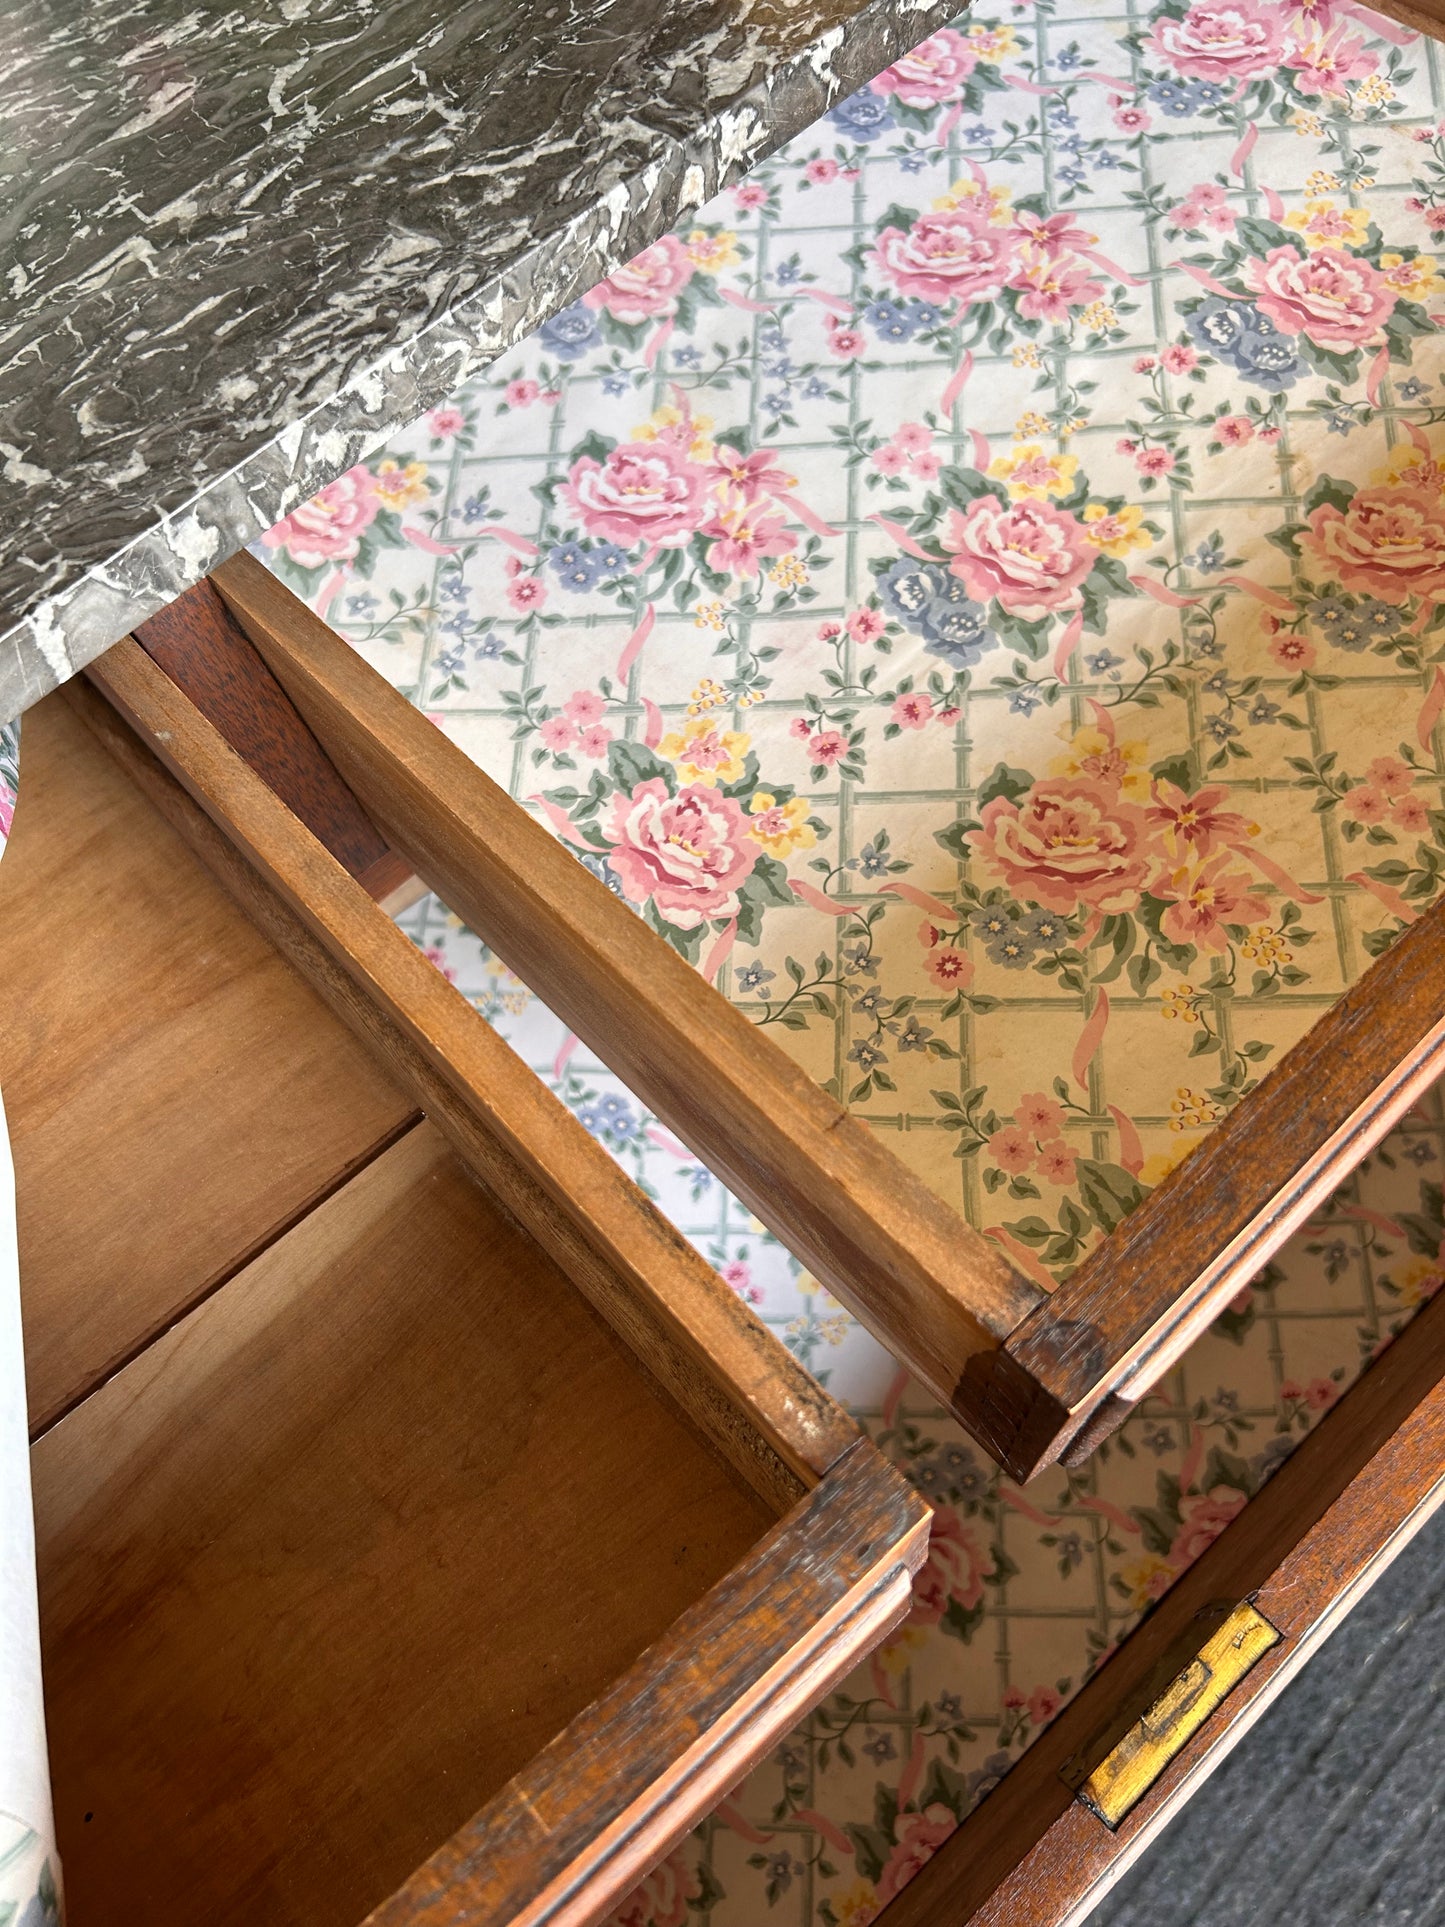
(656,342)
(632,648)
(721,950)
(1068,642)
(809,893)
(1430,710)
(428,544)
(901,536)
(1090,1038)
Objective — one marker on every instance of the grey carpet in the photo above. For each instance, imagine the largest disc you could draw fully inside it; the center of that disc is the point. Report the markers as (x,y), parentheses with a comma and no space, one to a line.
(1329,1812)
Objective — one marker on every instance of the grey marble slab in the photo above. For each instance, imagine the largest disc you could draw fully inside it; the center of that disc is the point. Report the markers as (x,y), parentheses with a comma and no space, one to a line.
(240,246)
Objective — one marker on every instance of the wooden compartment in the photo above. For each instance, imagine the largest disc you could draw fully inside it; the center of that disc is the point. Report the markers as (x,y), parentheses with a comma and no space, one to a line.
(411,1547)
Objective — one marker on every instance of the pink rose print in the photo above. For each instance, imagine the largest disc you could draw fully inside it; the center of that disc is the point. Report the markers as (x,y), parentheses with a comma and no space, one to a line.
(328,528)
(1049,284)
(647,285)
(1333,297)
(1028,554)
(922,1835)
(934,71)
(644,492)
(1072,841)
(1389,542)
(1204,1519)
(686,854)
(661,1900)
(1228,41)
(1234,430)
(1201,903)
(1205,206)
(953,255)
(1012,1149)
(913,711)
(958,1563)
(1325,66)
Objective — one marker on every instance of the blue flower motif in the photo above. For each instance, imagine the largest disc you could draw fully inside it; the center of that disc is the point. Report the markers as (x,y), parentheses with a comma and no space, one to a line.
(1012,948)
(1382,619)
(570,334)
(753,977)
(687,356)
(1023,702)
(814,388)
(1237,333)
(934,604)
(1208,557)
(925,314)
(890,320)
(615,384)
(869,862)
(1045,927)
(990,921)
(1353,627)
(1340,421)
(786,273)
(488,648)
(1262,710)
(1101,661)
(1180,98)
(575,567)
(913,163)
(1410,390)
(863,116)
(361,606)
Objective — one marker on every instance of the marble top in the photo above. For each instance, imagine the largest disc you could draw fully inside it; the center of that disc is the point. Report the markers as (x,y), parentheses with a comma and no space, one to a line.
(242,247)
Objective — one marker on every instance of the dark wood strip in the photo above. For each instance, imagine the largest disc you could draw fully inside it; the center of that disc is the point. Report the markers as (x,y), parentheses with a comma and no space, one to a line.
(574,1832)
(203,649)
(1303,1550)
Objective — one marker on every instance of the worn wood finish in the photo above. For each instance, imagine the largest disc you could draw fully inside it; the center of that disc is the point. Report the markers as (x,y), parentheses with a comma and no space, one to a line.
(1139,1300)
(728,1680)
(153,1046)
(851,1211)
(1073,1362)
(1303,1550)
(204,651)
(715,1357)
(328,1564)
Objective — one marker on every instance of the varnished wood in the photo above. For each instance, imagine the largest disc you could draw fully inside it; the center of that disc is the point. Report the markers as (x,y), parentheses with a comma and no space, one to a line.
(714,1356)
(335,1557)
(690,1722)
(204,651)
(153,1047)
(1303,1550)
(850,1209)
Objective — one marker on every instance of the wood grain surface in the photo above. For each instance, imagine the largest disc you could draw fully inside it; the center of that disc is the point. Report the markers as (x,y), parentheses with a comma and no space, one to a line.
(332,1560)
(851,1211)
(1304,1548)
(205,652)
(729,1680)
(176,1094)
(746,1392)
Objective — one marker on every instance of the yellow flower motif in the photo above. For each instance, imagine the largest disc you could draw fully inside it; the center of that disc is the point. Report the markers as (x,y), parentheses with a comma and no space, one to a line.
(1321,181)
(1192,1110)
(1090,753)
(1146,1579)
(1308,126)
(1374,91)
(788,573)
(709,615)
(705,754)
(1320,224)
(781,828)
(711,252)
(1419,1280)
(855,1906)
(1099,317)
(398,487)
(1029,471)
(1180,1003)
(1030,425)
(897,1656)
(1118,532)
(993,43)
(1265,945)
(1027,355)
(1416,278)
(668,416)
(969,193)
(707,695)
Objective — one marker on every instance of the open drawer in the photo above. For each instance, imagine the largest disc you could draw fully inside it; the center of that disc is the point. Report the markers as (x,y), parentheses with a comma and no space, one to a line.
(425,1533)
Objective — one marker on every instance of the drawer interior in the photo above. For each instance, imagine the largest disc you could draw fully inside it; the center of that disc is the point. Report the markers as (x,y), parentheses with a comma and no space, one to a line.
(384,1505)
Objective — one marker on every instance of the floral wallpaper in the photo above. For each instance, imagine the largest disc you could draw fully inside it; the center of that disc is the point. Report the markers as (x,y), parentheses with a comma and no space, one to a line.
(975,590)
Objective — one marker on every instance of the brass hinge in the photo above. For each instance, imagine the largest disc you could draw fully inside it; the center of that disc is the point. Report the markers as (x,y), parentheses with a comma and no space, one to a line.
(1126,1773)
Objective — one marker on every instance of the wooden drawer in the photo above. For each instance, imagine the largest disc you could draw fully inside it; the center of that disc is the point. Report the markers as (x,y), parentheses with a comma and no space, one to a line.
(425,1533)
(1035,1375)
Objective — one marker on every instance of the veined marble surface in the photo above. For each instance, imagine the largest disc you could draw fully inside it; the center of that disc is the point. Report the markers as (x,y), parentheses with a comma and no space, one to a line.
(241,246)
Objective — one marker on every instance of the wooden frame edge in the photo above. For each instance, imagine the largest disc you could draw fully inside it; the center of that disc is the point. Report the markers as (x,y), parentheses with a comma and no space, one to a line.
(1302,1551)
(723,1686)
